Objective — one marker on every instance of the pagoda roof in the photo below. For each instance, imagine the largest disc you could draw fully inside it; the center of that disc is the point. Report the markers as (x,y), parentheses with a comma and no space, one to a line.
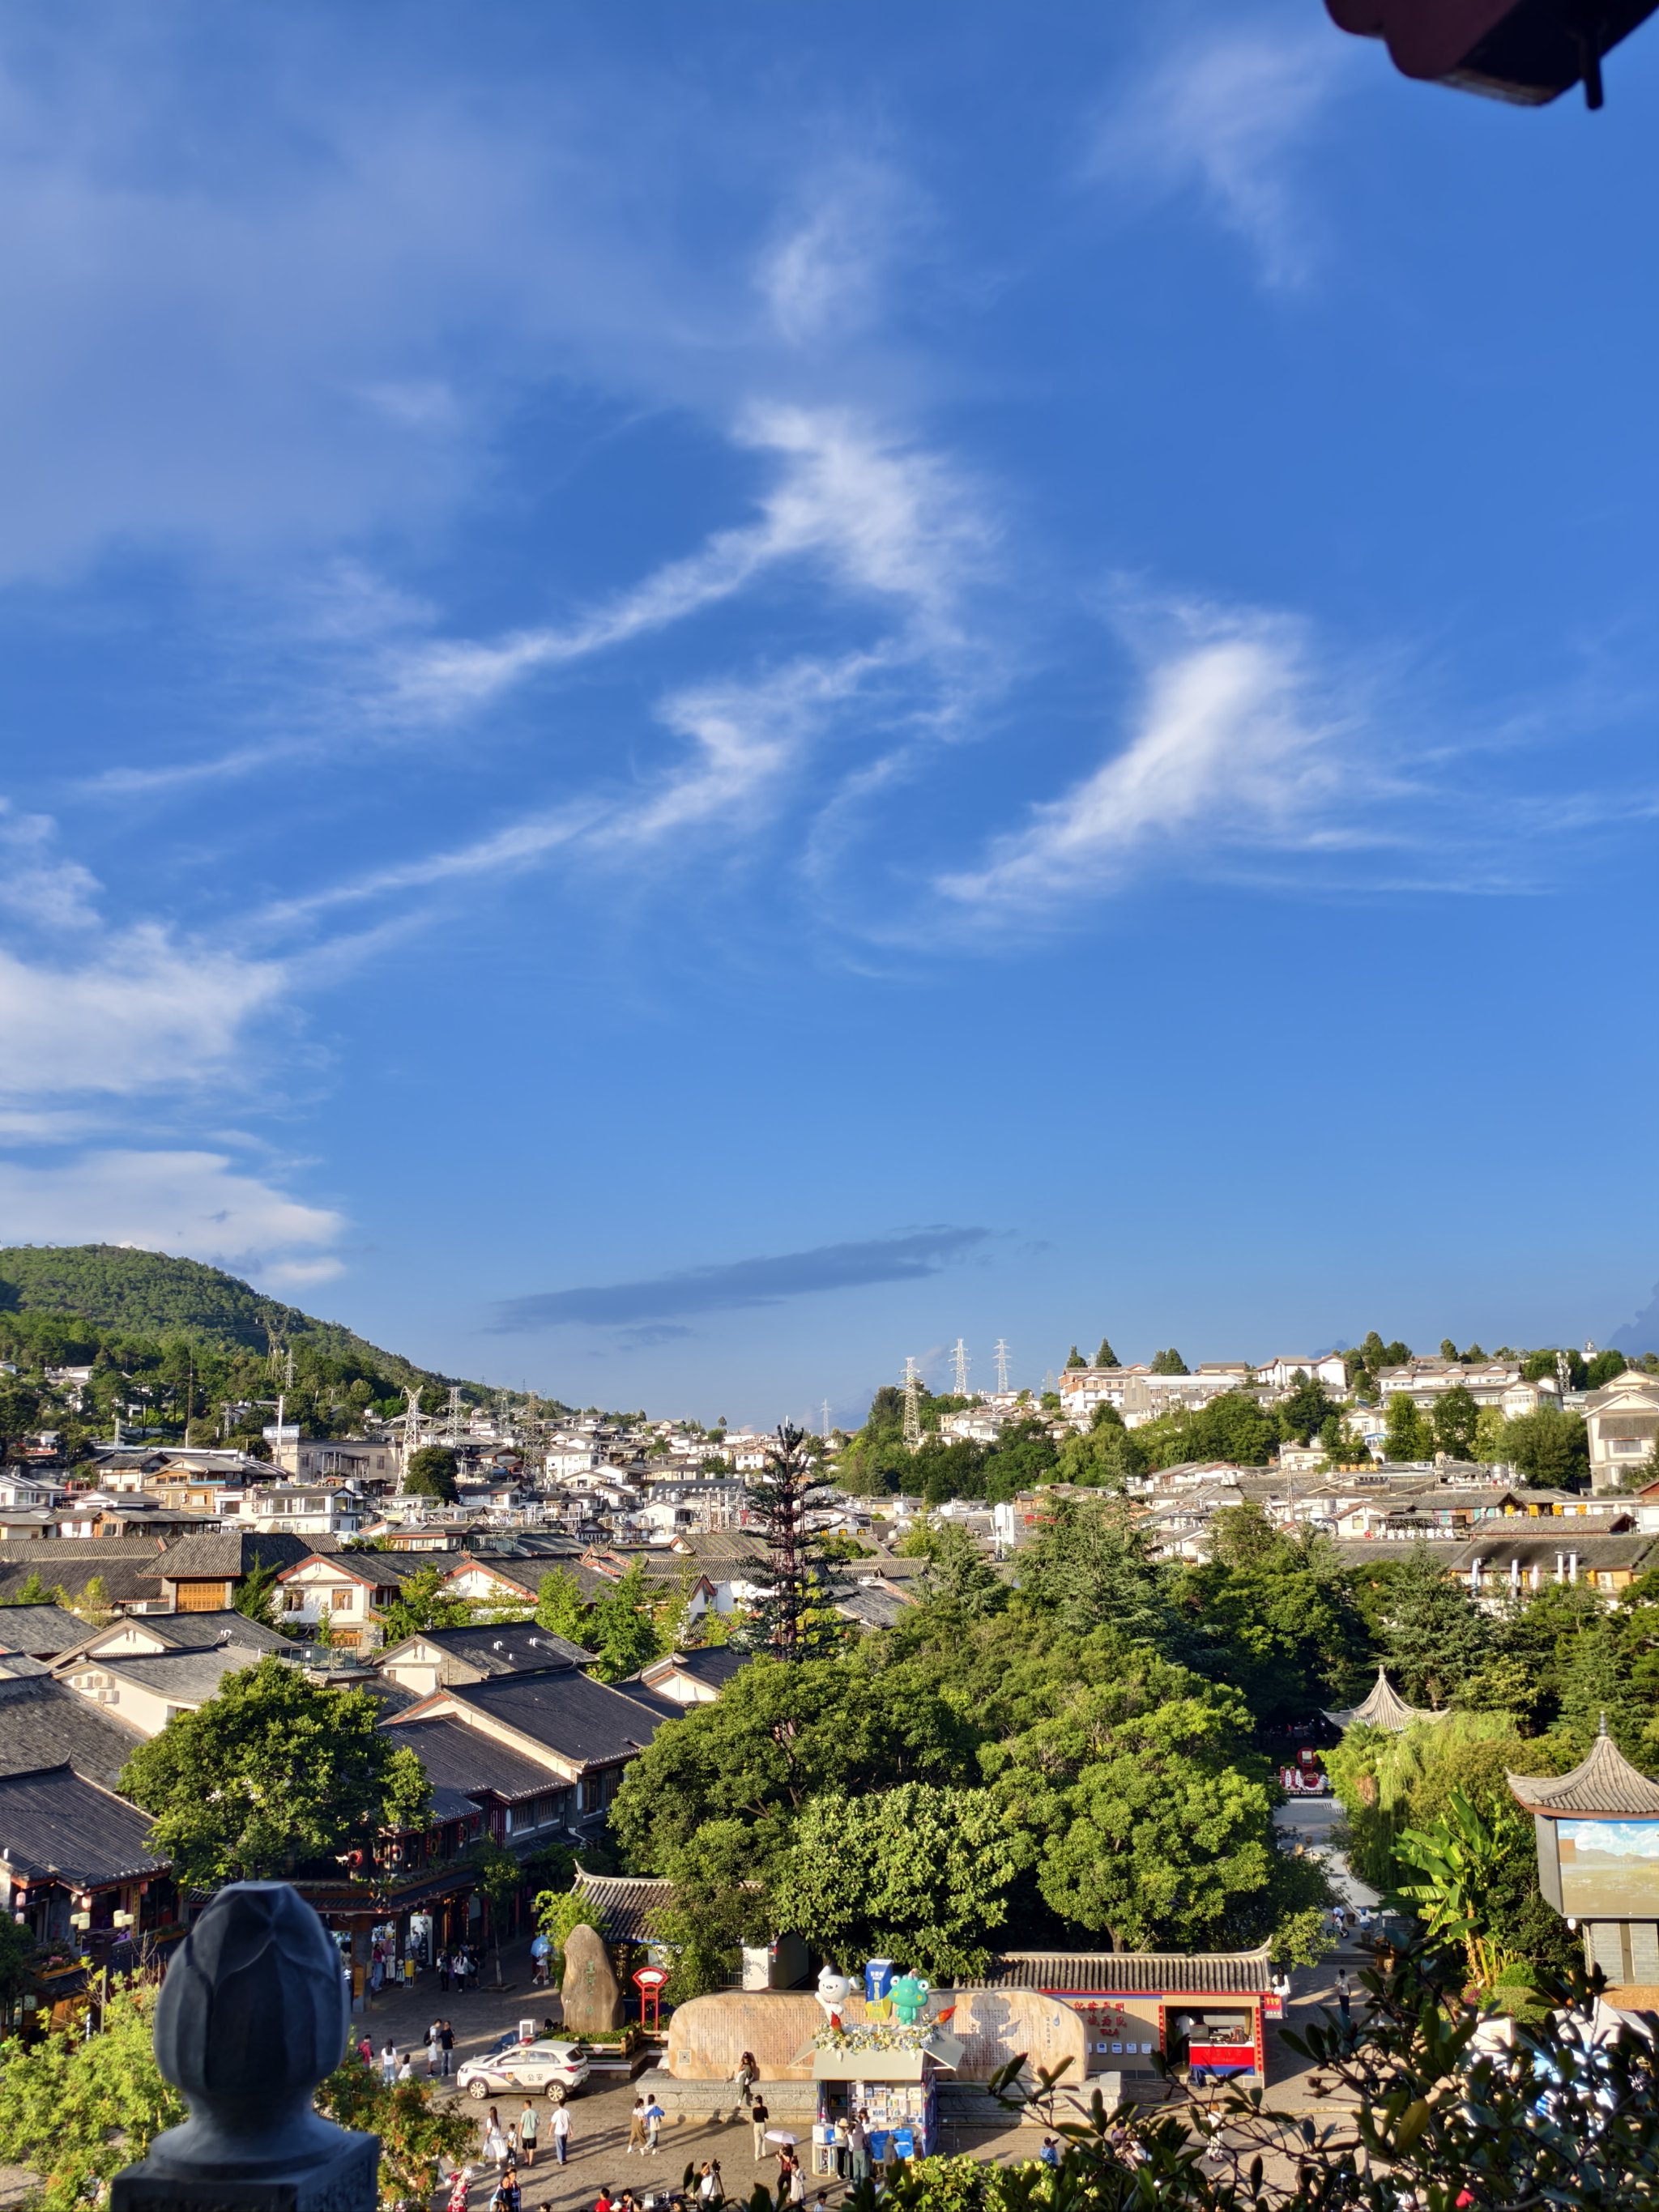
(1603,1782)
(1384,1708)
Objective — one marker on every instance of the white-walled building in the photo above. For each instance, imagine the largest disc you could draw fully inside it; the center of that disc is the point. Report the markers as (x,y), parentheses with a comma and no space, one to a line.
(1622,1419)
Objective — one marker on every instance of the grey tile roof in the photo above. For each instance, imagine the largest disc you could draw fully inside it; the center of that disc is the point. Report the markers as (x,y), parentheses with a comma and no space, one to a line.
(1382,1707)
(582,1720)
(1563,1539)
(1604,1781)
(68,1564)
(624,1902)
(458,1757)
(44,1722)
(39,1630)
(231,1553)
(199,1631)
(1131,1973)
(190,1677)
(496,1647)
(386,1569)
(14,1664)
(52,1821)
(713,1667)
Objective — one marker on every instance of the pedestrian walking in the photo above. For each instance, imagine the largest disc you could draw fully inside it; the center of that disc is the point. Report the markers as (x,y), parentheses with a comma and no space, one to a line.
(758,2116)
(494,2142)
(712,2188)
(858,2146)
(458,2182)
(561,2132)
(797,2182)
(447,2038)
(406,2068)
(388,2062)
(443,1970)
(1344,1993)
(747,2074)
(435,2049)
(636,2128)
(654,2117)
(365,2050)
(841,2143)
(529,2128)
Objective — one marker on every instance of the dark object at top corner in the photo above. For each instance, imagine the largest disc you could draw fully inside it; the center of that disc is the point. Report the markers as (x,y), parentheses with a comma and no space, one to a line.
(1529,51)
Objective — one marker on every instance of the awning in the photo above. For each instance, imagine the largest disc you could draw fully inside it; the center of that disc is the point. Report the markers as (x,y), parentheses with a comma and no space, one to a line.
(869,2065)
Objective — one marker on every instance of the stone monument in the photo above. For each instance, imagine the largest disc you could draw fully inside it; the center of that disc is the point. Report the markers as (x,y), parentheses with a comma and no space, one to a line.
(252,2016)
(591,1994)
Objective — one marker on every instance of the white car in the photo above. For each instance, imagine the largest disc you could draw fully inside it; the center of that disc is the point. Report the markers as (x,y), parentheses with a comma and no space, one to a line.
(559,2068)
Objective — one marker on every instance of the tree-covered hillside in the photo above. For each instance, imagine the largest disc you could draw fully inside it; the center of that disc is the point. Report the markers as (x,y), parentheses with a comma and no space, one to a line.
(181,1352)
(149,1294)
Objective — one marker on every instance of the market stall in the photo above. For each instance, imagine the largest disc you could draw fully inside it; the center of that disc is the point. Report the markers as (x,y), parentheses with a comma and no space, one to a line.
(883,2074)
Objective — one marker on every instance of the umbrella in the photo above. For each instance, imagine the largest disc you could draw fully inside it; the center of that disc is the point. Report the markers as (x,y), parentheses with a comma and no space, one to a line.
(779,2136)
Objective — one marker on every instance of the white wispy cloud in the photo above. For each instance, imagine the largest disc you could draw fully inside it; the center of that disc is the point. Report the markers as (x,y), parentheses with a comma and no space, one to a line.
(882,516)
(181,1201)
(1226,112)
(87,1009)
(1238,745)
(824,274)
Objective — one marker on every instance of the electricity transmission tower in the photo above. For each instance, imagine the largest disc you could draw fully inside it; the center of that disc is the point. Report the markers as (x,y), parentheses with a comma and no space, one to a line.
(1002,1364)
(959,1368)
(911,1406)
(824,1431)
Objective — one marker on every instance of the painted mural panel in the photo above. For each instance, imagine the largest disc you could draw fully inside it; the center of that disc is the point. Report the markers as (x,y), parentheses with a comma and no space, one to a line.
(1609,1869)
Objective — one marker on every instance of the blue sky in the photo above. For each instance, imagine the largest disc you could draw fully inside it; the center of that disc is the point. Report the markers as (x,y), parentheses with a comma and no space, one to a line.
(697,697)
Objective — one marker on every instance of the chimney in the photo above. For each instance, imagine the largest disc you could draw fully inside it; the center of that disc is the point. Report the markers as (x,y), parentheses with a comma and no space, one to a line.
(1560,1566)
(1572,1566)
(1514,1576)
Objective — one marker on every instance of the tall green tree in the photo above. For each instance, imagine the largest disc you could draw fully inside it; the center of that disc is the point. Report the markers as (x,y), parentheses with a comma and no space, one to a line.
(423,1602)
(1168,1363)
(1074,1358)
(1153,1827)
(256,1594)
(432,1472)
(1408,1434)
(1106,1357)
(916,1874)
(1455,1418)
(792,1618)
(624,1628)
(75,2108)
(273,1771)
(560,1609)
(1550,1448)
(1090,1566)
(1434,1636)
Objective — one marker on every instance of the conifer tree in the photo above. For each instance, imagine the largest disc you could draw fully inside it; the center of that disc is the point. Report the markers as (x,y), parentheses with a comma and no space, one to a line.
(791,1619)
(1106,1357)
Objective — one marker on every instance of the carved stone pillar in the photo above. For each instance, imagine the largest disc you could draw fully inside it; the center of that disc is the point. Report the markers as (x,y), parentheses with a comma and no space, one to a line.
(252,2016)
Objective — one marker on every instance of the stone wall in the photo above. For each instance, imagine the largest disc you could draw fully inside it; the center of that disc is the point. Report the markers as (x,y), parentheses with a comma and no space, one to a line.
(708,2035)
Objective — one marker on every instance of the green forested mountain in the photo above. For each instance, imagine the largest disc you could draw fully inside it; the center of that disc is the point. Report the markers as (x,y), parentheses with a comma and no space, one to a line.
(128,1293)
(183,1350)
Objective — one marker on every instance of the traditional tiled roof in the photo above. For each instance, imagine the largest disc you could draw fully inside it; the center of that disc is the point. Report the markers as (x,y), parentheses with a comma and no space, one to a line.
(229,1553)
(1384,1708)
(383,1569)
(43,1722)
(459,1757)
(581,1720)
(39,1630)
(1603,1782)
(201,1632)
(1131,1973)
(502,1647)
(713,1667)
(53,1822)
(624,1902)
(184,1677)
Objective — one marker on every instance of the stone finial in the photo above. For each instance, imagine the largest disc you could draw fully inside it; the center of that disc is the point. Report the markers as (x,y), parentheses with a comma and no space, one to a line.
(252,2016)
